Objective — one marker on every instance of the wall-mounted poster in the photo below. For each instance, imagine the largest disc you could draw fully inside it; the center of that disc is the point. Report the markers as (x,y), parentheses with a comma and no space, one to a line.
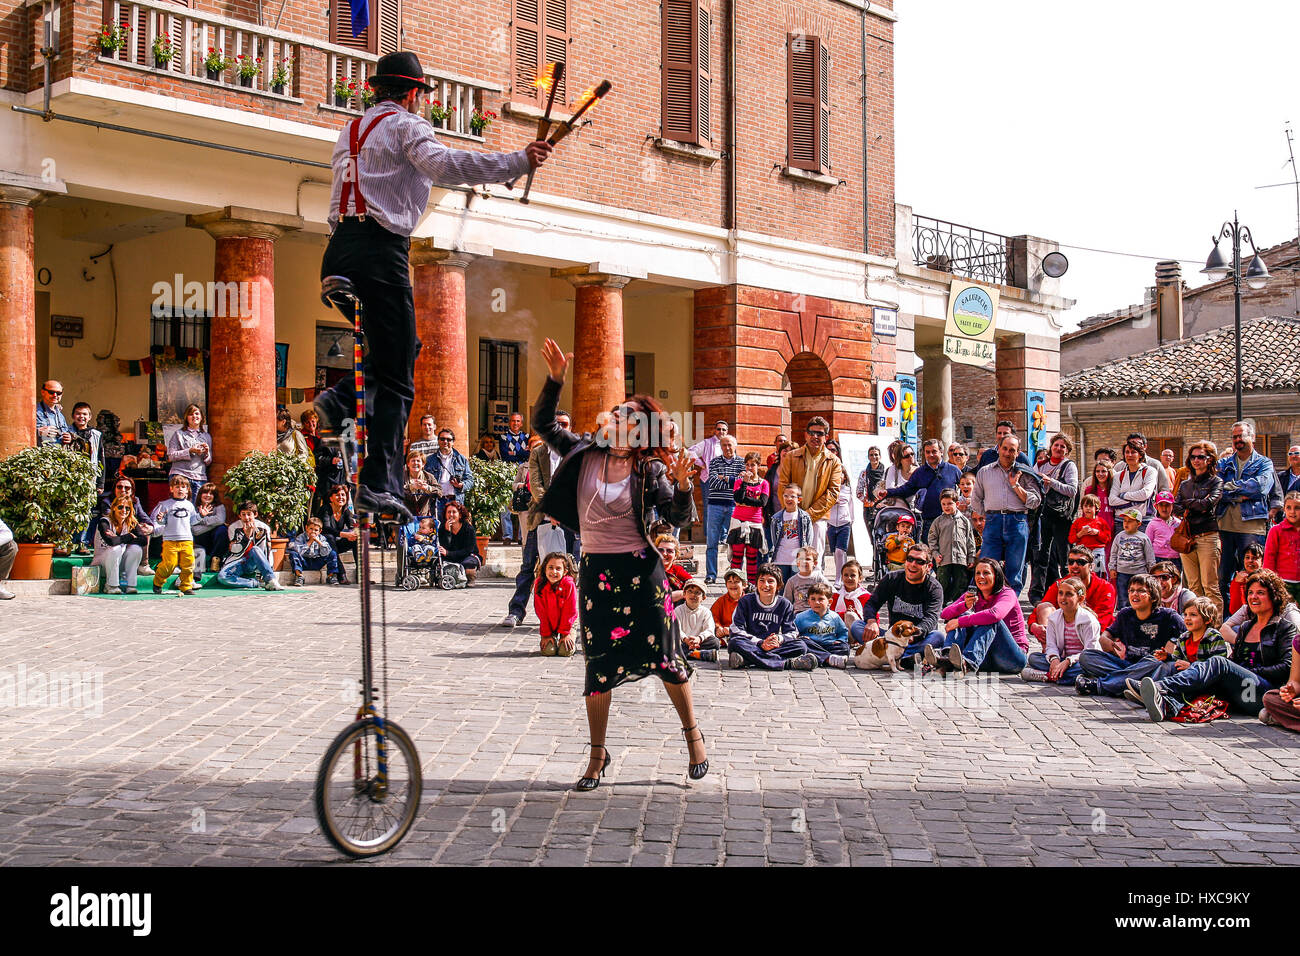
(972,320)
(907,413)
(178,382)
(281,364)
(1035,423)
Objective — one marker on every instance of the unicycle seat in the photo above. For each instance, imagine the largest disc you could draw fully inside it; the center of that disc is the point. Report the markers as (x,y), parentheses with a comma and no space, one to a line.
(338,291)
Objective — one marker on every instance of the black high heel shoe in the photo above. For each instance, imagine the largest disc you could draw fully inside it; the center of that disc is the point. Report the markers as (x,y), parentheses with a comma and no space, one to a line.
(695,771)
(591,783)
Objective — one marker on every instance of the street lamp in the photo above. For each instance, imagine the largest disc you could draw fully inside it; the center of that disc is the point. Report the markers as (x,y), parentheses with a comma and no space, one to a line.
(1216,267)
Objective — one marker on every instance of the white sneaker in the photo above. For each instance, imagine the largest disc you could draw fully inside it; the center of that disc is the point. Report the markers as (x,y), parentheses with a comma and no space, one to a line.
(840,661)
(510,621)
(273,584)
(1266,718)
(1034,674)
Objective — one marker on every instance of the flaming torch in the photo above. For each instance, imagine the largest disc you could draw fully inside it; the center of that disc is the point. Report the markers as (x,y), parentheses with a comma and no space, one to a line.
(551,81)
(588,99)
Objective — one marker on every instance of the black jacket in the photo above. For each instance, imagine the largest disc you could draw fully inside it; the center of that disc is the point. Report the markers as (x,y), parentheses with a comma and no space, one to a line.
(653,493)
(1274,661)
(460,545)
(331,528)
(1198,496)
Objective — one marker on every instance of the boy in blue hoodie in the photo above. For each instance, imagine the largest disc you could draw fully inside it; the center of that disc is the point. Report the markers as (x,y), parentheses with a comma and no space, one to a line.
(762,629)
(173,517)
(822,630)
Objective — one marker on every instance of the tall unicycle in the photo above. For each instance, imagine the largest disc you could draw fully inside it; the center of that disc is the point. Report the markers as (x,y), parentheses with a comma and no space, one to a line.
(369,783)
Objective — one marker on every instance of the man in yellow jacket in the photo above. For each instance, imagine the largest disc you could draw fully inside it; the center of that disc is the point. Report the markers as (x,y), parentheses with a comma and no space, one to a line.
(818,475)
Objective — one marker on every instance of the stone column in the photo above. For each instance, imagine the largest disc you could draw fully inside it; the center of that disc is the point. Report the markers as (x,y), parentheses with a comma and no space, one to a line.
(442,368)
(936,395)
(598,373)
(1027,362)
(241,402)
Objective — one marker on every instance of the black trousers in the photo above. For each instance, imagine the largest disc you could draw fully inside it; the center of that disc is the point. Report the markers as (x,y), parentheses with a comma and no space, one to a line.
(377,262)
(1049,557)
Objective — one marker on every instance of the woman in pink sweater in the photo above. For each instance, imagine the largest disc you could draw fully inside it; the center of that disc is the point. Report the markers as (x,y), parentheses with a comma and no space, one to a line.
(985,629)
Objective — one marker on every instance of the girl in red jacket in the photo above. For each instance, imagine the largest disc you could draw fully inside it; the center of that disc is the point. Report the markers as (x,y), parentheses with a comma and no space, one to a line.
(555,602)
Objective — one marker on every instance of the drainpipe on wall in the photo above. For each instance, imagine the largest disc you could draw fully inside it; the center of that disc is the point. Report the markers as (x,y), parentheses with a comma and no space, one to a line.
(729,118)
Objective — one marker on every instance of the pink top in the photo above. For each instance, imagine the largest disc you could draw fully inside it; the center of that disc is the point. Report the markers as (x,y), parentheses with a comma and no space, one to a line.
(1160,531)
(749,512)
(1003,606)
(1073,645)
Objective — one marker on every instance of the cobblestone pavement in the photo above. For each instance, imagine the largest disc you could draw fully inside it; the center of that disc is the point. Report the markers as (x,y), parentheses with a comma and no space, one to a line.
(215,714)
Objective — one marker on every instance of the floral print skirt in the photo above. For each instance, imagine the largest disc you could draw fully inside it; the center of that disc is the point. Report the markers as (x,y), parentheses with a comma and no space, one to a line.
(627,631)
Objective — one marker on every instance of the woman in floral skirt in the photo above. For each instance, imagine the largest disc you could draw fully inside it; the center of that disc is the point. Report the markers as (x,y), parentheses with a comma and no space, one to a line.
(609,488)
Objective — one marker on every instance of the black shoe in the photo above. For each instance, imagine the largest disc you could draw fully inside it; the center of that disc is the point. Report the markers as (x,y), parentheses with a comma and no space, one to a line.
(299,580)
(709,656)
(380,502)
(695,771)
(1087,686)
(591,783)
(157,589)
(342,577)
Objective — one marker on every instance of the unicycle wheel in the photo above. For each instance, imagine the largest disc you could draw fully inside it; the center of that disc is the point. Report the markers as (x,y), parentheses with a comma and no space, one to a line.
(368,788)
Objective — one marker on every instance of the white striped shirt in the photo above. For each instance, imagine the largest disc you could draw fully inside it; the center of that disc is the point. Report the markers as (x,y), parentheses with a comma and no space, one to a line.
(400,163)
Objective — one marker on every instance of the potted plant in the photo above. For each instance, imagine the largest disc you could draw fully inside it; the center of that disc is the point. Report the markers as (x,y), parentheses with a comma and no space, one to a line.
(247,67)
(367,97)
(439,115)
(488,497)
(280,75)
(111,38)
(215,63)
(480,120)
(46,496)
(344,90)
(280,485)
(164,51)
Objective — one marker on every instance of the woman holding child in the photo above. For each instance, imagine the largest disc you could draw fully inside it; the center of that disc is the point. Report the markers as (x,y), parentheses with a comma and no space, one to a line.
(606,488)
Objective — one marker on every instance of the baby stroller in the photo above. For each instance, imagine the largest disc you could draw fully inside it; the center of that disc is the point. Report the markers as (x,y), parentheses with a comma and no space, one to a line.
(883,524)
(420,563)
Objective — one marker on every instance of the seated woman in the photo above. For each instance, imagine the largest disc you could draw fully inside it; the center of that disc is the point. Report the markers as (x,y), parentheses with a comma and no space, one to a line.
(457,539)
(421,487)
(339,525)
(985,628)
(1280,706)
(1260,660)
(1071,630)
(119,544)
(125,487)
(209,527)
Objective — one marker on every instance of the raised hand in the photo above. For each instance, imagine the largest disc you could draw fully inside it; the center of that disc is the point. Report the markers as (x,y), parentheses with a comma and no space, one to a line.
(683,468)
(557,362)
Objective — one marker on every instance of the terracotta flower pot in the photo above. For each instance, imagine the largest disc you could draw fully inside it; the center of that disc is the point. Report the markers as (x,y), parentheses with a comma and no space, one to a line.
(278,547)
(482,541)
(33,562)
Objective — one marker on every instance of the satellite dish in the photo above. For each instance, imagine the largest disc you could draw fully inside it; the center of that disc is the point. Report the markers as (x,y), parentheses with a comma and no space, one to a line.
(1055,265)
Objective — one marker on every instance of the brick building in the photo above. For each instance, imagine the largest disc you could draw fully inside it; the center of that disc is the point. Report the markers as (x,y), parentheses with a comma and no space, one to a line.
(718,236)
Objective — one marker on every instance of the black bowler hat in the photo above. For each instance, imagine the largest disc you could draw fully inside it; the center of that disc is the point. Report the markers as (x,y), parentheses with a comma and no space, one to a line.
(400,69)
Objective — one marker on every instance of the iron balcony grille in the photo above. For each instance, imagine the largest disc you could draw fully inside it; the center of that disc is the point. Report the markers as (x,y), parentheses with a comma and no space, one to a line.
(960,250)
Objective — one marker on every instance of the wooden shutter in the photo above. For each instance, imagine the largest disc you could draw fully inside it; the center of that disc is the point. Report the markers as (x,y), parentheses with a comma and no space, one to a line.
(555,48)
(540,32)
(680,71)
(390,25)
(705,84)
(341,27)
(808,129)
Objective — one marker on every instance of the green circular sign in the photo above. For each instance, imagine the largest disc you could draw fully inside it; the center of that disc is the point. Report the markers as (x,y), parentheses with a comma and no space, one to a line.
(973,312)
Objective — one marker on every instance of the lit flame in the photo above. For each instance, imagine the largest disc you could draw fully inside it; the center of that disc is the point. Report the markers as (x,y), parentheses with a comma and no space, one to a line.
(587,96)
(545,79)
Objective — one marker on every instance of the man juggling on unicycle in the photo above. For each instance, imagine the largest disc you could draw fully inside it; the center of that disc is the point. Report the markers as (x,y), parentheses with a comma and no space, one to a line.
(385,165)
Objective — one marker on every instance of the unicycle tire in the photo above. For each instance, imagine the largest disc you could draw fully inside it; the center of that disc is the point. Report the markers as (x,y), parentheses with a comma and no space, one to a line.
(357,811)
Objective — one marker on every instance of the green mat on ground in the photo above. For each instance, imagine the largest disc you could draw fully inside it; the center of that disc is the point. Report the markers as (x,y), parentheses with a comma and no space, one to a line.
(61,568)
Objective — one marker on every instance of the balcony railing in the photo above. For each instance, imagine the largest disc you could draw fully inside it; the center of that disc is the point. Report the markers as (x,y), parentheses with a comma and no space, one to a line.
(192,33)
(961,250)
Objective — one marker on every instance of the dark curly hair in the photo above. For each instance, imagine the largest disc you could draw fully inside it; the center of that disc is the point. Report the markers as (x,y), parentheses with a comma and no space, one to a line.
(460,510)
(1271,582)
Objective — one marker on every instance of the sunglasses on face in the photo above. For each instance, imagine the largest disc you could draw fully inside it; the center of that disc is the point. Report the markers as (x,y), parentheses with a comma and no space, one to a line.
(1078,563)
(1200,457)
(50,391)
(910,559)
(816,434)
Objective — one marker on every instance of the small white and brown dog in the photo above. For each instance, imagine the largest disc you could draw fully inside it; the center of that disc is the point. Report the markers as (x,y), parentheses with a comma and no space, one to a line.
(886,650)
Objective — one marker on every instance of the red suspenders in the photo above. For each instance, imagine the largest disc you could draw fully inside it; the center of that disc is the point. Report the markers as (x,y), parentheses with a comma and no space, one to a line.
(352,172)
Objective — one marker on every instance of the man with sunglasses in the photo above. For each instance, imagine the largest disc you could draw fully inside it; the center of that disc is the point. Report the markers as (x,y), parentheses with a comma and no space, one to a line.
(451,469)
(913,595)
(51,427)
(818,474)
(1099,594)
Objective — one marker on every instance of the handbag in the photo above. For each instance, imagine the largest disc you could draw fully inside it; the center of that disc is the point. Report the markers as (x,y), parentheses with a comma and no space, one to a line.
(1182,540)
(521,500)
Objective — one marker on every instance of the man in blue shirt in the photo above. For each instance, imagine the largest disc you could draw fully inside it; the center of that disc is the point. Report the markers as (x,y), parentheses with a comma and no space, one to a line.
(451,470)
(1243,510)
(512,444)
(932,478)
(990,455)
(51,427)
(720,500)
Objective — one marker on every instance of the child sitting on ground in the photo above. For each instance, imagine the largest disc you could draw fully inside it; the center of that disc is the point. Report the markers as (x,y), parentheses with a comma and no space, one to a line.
(1071,629)
(796,589)
(249,561)
(311,552)
(1092,532)
(822,630)
(900,542)
(555,601)
(952,540)
(850,597)
(763,632)
(724,608)
(695,624)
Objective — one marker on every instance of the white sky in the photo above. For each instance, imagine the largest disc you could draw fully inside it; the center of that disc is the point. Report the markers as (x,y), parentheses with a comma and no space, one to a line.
(1136,127)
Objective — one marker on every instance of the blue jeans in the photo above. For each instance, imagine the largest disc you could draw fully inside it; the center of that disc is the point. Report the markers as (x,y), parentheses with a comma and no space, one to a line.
(752,653)
(822,650)
(989,647)
(507,526)
(1121,590)
(716,520)
(1006,539)
(1113,684)
(1243,690)
(837,538)
(1233,544)
(1038,661)
(299,563)
(235,574)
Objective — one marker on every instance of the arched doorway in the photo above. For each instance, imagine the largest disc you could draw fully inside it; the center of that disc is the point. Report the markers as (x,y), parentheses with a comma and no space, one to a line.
(811,393)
